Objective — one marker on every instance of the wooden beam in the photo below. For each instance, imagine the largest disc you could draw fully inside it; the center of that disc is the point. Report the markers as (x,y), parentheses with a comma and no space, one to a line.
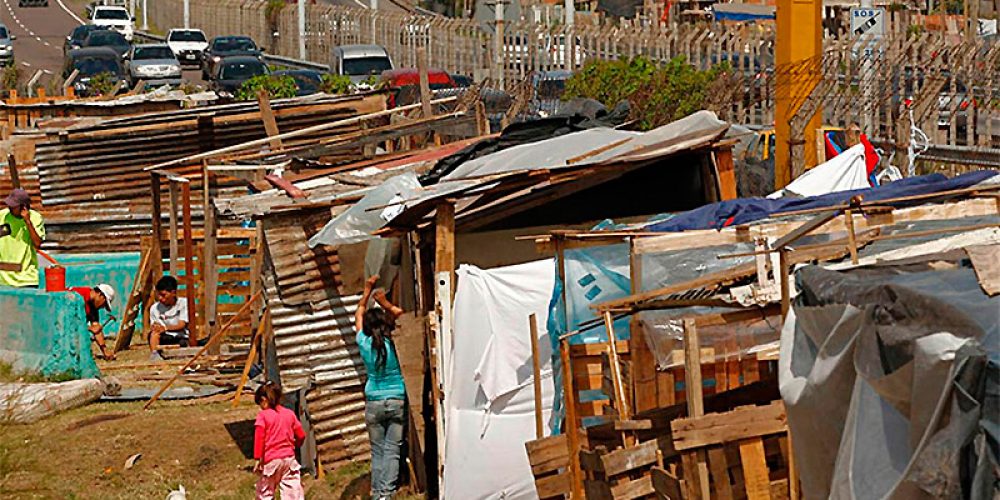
(425,89)
(267,116)
(189,265)
(257,339)
(209,264)
(537,374)
(174,250)
(698,463)
(725,173)
(569,426)
(15,179)
(444,241)
(156,214)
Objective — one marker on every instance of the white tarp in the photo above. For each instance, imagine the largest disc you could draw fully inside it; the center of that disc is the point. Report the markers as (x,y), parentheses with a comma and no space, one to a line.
(843,172)
(490,400)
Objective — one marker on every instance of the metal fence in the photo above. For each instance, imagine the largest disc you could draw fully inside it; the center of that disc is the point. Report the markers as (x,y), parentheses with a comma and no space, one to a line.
(851,88)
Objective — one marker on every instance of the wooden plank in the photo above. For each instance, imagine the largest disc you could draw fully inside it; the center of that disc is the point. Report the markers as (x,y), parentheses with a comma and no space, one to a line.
(692,479)
(692,370)
(624,460)
(725,173)
(267,116)
(595,350)
(425,89)
(665,485)
(572,420)
(720,428)
(547,454)
(755,474)
(554,486)
(189,278)
(637,488)
(536,375)
(173,231)
(986,262)
(719,469)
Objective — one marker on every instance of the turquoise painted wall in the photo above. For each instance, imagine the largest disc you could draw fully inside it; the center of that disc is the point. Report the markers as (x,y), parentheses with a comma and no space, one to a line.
(45,332)
(115,269)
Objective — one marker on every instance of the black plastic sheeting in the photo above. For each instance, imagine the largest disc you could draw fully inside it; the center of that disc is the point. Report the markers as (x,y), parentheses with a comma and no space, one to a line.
(890,378)
(575,116)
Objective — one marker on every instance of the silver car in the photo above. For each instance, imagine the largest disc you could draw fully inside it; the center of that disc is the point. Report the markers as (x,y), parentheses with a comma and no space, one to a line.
(6,46)
(154,64)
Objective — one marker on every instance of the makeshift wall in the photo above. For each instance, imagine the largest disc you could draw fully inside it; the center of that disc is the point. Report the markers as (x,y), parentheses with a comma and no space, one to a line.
(45,332)
(490,397)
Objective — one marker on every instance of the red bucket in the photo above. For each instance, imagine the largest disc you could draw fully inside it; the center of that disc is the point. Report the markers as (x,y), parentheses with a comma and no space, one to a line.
(55,279)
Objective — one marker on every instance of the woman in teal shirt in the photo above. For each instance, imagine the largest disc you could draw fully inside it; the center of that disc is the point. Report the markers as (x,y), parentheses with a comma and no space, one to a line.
(385,393)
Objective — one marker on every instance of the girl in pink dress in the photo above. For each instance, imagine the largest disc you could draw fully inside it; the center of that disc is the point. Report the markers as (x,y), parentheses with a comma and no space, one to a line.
(277,434)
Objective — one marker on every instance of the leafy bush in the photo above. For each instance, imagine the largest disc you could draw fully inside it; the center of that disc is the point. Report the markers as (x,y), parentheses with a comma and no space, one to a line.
(9,77)
(103,83)
(336,84)
(657,95)
(276,87)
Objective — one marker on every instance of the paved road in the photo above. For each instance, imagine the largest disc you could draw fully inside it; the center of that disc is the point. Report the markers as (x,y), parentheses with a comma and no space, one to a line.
(40,34)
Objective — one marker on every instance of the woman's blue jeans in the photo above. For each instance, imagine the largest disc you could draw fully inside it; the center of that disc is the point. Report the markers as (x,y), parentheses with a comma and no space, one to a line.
(385,420)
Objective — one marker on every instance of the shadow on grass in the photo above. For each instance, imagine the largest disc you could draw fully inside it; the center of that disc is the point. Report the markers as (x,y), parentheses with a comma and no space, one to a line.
(242,434)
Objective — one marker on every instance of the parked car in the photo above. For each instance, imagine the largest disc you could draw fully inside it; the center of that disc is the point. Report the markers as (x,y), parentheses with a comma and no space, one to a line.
(90,62)
(404,84)
(462,80)
(6,46)
(549,87)
(107,38)
(32,3)
(188,45)
(307,81)
(114,18)
(360,62)
(154,64)
(76,37)
(231,72)
(222,47)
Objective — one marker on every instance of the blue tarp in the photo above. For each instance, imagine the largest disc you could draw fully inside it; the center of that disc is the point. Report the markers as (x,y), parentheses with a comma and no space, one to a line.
(741,16)
(746,210)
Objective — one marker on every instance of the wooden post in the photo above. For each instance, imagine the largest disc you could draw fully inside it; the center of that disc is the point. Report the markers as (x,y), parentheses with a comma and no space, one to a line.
(174,250)
(189,264)
(156,212)
(209,269)
(725,172)
(425,89)
(444,275)
(536,366)
(786,299)
(572,433)
(569,391)
(15,179)
(621,401)
(267,116)
(852,243)
(696,466)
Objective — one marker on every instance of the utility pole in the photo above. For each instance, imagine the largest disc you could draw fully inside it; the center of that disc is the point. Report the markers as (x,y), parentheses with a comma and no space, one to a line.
(301,4)
(187,14)
(373,6)
(499,41)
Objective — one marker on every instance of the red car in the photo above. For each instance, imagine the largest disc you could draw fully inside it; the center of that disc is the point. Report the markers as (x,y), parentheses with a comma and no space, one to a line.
(404,84)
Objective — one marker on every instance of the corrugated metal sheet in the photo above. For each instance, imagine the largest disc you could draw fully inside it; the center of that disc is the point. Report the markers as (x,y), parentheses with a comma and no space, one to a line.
(313,321)
(92,177)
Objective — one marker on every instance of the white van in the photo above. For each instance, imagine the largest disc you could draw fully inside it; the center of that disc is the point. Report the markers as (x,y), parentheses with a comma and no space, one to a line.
(360,62)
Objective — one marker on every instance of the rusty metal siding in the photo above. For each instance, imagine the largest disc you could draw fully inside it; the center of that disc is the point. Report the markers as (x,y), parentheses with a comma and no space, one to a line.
(313,322)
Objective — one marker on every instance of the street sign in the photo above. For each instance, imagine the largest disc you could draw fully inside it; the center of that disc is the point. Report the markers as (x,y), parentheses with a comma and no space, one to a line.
(866,21)
(869,23)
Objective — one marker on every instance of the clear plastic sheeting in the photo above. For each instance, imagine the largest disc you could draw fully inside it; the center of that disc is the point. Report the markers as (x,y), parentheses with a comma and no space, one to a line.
(664,335)
(369,214)
(890,379)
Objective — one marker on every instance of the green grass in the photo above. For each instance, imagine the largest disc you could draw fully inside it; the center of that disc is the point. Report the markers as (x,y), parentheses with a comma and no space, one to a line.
(9,374)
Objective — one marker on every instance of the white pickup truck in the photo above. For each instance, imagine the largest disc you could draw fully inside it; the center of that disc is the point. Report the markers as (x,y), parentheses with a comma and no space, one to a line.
(114,18)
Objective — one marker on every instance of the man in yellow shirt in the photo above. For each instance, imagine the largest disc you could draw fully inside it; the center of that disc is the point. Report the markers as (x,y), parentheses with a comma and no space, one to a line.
(22,231)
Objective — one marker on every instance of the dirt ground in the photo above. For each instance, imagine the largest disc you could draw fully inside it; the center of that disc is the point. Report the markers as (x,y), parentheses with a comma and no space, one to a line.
(203,444)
